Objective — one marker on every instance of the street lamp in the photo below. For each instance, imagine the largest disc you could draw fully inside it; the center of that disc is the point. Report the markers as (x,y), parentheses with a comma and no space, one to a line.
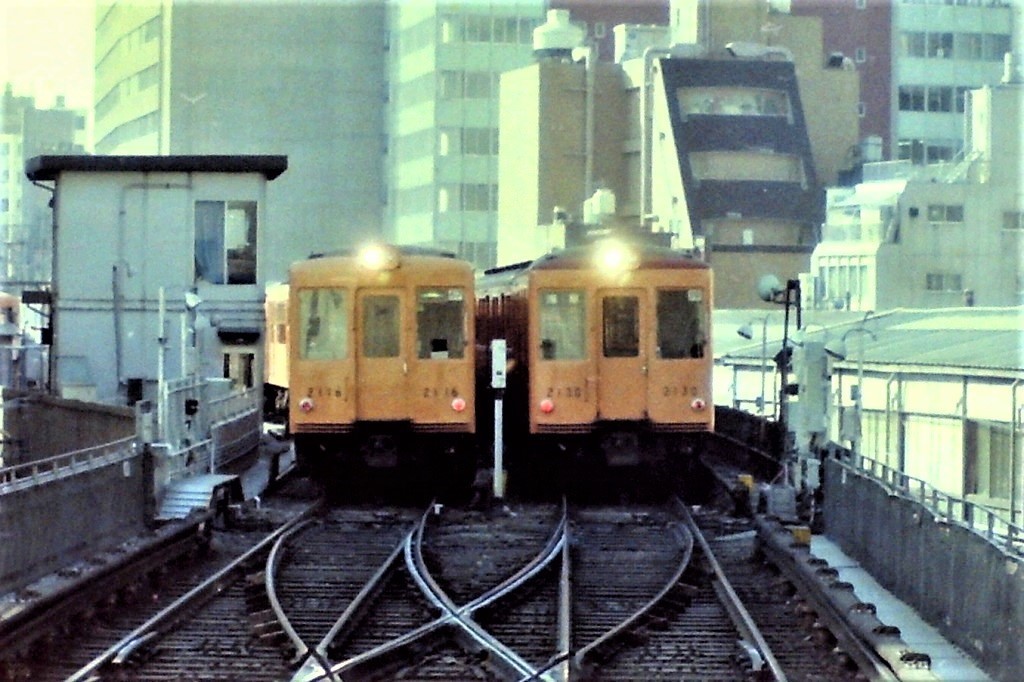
(857,391)
(771,290)
(747,332)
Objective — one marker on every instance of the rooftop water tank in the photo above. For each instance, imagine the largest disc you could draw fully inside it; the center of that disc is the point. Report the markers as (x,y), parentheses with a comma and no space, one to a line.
(556,38)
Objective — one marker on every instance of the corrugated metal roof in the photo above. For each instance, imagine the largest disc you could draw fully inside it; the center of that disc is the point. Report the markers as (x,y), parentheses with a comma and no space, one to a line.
(961,339)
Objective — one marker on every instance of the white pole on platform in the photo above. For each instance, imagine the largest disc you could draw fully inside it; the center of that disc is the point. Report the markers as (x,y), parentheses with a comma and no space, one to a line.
(161,369)
(498,360)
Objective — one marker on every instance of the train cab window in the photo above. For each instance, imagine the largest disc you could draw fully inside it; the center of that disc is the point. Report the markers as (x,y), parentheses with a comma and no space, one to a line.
(682,323)
(323,324)
(441,323)
(621,326)
(381,327)
(563,318)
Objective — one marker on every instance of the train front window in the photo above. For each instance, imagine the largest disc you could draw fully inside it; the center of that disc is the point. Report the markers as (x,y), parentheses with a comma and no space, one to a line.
(323,324)
(563,318)
(441,323)
(621,326)
(682,323)
(380,327)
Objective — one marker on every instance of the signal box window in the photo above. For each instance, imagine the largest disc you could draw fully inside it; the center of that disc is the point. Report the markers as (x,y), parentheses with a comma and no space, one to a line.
(380,327)
(682,323)
(440,324)
(621,326)
(226,242)
(563,318)
(323,324)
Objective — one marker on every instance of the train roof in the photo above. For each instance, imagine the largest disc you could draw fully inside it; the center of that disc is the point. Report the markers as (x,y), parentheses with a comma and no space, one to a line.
(401,249)
(649,257)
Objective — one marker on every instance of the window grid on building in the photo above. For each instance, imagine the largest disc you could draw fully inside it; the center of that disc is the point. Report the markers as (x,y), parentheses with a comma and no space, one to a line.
(945,213)
(935,281)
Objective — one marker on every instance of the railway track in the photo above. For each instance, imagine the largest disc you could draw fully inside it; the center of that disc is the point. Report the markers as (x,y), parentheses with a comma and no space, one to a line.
(520,591)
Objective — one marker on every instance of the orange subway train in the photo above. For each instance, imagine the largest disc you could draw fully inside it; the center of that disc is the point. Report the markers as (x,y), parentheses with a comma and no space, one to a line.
(609,357)
(371,354)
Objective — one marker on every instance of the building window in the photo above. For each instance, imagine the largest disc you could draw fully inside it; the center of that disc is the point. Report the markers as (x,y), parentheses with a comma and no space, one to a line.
(478,197)
(239,368)
(225,245)
(912,98)
(940,45)
(945,213)
(862,109)
(1013,220)
(940,99)
(727,101)
(913,43)
(943,282)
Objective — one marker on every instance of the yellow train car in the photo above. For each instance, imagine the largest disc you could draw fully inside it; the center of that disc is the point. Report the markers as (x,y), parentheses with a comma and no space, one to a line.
(610,347)
(275,354)
(380,360)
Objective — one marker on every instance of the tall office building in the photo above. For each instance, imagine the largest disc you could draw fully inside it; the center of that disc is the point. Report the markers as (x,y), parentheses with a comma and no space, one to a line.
(446,63)
(305,80)
(444,74)
(27,130)
(916,60)
(941,51)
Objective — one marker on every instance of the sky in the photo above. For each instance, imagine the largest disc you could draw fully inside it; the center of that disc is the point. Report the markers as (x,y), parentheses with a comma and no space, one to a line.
(46,49)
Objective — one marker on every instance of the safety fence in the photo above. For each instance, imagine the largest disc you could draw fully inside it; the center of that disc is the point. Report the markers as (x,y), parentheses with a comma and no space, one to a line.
(992,524)
(21,476)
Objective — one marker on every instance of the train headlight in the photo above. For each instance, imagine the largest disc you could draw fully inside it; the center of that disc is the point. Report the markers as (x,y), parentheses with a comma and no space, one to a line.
(614,256)
(547,406)
(458,404)
(698,404)
(378,257)
(306,405)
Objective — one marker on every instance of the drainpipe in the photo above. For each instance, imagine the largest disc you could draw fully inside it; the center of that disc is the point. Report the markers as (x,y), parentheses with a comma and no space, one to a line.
(588,144)
(52,383)
(646,124)
(888,419)
(1015,425)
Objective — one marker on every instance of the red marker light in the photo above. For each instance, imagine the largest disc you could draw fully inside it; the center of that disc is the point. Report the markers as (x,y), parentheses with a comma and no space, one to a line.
(306,405)
(698,404)
(458,404)
(547,406)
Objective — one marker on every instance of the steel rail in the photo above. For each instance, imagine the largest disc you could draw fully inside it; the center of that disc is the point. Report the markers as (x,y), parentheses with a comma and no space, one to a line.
(270,584)
(507,660)
(753,642)
(631,620)
(319,666)
(452,615)
(154,627)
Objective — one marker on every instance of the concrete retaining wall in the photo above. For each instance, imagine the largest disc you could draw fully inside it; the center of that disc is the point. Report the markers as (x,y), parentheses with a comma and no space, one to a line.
(956,580)
(51,524)
(37,426)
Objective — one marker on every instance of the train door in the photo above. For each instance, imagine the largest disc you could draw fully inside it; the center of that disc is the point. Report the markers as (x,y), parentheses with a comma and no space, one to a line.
(381,369)
(622,359)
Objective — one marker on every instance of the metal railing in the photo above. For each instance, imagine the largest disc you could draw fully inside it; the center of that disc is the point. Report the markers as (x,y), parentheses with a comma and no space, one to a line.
(21,476)
(983,520)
